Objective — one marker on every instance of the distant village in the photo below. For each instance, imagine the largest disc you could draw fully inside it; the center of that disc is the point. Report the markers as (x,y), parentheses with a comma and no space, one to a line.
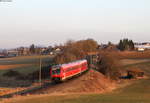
(34,50)
(28,51)
(142,46)
(137,46)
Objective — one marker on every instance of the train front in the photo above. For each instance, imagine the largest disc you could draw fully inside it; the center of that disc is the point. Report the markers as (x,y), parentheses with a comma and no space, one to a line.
(56,73)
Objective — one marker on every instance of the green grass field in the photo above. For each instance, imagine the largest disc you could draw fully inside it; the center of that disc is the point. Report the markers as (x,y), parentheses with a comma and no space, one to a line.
(137,92)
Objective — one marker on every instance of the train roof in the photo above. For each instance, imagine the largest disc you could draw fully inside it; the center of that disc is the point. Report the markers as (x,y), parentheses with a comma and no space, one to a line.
(71,63)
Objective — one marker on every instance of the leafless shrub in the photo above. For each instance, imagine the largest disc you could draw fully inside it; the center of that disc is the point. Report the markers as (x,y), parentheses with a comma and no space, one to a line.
(109,65)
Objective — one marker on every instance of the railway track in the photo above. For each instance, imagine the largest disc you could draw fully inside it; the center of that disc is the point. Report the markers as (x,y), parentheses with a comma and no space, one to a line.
(28,91)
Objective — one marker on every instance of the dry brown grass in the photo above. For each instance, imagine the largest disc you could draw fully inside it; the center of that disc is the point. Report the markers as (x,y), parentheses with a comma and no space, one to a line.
(129,54)
(4,91)
(4,67)
(133,61)
(133,55)
(25,57)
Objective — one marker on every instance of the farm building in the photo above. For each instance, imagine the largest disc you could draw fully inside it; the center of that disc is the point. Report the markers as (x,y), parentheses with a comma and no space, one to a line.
(135,73)
(2,55)
(142,46)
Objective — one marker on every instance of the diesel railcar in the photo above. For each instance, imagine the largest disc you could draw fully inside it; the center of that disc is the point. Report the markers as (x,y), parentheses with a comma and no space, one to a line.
(64,71)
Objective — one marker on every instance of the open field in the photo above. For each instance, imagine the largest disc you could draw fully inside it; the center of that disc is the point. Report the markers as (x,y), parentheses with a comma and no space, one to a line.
(133,61)
(4,67)
(23,60)
(137,92)
(24,65)
(132,55)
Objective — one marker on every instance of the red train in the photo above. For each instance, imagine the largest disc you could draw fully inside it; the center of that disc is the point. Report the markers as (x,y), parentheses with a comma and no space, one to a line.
(65,71)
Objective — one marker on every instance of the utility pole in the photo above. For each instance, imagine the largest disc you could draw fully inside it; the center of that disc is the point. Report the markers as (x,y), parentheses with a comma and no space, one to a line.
(40,80)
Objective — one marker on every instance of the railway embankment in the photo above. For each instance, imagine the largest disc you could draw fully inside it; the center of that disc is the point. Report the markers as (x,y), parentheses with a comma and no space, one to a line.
(89,82)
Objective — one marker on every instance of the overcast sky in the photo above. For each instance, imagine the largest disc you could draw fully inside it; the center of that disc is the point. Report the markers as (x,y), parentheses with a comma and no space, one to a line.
(47,22)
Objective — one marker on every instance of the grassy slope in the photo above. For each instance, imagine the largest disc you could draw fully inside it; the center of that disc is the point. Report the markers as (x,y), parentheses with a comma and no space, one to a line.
(138,92)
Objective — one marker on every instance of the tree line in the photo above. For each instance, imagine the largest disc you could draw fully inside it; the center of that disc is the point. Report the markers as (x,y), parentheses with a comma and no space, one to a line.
(126,44)
(75,50)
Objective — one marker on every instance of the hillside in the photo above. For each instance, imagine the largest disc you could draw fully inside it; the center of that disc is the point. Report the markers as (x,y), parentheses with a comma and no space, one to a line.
(137,91)
(91,82)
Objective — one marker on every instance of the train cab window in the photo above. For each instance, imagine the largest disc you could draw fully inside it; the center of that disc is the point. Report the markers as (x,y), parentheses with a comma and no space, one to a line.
(56,70)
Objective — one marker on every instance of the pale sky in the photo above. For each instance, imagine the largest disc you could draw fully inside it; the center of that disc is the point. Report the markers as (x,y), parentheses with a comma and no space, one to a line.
(49,22)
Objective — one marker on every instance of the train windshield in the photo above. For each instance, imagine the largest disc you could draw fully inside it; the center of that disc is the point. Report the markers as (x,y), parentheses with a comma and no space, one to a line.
(56,70)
